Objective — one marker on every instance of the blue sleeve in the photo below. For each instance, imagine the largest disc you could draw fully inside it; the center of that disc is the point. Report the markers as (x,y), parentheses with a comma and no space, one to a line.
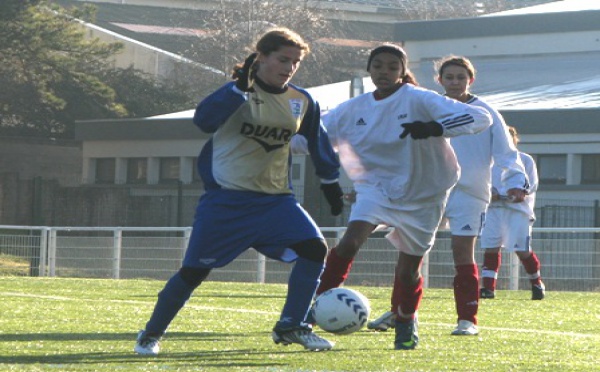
(215,109)
(321,152)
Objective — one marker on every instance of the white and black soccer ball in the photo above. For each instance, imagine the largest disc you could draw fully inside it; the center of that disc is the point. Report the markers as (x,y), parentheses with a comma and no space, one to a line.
(341,311)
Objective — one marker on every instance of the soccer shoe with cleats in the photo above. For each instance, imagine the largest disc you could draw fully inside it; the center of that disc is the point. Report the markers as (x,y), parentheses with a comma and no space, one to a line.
(147,344)
(407,335)
(538,291)
(486,293)
(303,336)
(387,320)
(465,328)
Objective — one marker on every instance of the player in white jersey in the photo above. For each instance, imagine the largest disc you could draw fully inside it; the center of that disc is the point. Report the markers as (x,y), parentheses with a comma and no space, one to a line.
(393,145)
(469,199)
(508,225)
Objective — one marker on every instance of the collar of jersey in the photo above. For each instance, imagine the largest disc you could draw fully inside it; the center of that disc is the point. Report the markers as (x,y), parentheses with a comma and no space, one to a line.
(269,88)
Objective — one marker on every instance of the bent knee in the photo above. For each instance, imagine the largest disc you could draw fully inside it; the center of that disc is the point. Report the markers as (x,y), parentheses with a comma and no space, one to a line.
(312,249)
(193,276)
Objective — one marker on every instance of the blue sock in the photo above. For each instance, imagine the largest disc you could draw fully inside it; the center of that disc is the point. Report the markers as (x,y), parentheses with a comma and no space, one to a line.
(170,300)
(302,285)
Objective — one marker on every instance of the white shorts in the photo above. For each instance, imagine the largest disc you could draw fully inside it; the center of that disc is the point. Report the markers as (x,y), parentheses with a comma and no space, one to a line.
(507,228)
(414,224)
(465,213)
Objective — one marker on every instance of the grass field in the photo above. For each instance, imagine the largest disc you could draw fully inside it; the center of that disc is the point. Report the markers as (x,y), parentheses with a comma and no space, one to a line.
(50,324)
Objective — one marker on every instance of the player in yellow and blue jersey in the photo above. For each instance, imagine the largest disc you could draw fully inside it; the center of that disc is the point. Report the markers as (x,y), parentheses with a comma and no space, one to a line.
(249,202)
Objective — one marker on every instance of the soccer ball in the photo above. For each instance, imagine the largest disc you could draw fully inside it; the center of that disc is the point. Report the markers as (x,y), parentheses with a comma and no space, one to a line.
(341,311)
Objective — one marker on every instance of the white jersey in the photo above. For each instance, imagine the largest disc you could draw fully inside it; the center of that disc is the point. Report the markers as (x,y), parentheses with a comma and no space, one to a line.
(366,133)
(527,206)
(477,153)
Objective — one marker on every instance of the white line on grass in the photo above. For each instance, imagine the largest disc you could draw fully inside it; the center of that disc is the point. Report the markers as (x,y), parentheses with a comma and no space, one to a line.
(200,307)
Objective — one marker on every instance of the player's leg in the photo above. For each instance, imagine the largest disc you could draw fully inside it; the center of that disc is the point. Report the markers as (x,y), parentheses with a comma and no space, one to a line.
(340,258)
(212,238)
(532,266)
(465,284)
(528,258)
(415,226)
(406,298)
(293,236)
(303,281)
(492,240)
(466,215)
(302,284)
(492,259)
(171,299)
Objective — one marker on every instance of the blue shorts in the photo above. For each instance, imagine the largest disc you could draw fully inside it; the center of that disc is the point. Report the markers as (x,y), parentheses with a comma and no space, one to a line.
(228,222)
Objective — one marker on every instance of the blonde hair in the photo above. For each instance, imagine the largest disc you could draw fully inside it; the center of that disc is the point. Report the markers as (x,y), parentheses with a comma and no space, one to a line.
(453,60)
(514,134)
(272,41)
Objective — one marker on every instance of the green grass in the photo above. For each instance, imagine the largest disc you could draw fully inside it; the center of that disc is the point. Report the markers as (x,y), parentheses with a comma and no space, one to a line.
(50,324)
(13,266)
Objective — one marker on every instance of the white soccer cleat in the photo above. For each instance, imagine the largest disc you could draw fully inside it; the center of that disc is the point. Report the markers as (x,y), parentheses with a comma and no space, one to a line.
(147,345)
(303,336)
(384,322)
(465,328)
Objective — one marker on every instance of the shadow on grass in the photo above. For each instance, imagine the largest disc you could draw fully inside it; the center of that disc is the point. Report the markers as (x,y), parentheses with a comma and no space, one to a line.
(256,358)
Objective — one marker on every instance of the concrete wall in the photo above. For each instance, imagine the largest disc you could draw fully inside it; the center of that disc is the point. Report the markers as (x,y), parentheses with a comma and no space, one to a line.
(39,157)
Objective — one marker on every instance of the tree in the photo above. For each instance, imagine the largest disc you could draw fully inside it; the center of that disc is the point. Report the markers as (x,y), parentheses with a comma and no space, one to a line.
(52,75)
(233,31)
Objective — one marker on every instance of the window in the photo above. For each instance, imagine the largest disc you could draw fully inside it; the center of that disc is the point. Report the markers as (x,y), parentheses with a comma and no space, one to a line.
(137,170)
(169,170)
(105,170)
(552,169)
(590,169)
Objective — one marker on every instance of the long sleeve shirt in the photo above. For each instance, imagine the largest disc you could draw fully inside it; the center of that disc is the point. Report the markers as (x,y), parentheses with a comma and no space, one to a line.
(366,133)
(477,153)
(251,132)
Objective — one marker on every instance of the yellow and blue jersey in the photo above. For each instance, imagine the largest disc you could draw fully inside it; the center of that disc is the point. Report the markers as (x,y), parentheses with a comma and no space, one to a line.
(250,145)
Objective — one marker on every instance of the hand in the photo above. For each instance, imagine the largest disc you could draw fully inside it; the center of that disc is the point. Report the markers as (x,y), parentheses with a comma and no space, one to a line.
(333,193)
(245,79)
(516,195)
(420,130)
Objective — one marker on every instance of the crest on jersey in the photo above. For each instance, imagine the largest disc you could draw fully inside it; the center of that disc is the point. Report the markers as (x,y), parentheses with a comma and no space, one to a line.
(296,106)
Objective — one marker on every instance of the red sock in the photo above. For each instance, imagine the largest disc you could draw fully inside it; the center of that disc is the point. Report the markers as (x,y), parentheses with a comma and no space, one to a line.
(489,271)
(532,268)
(466,292)
(336,271)
(406,298)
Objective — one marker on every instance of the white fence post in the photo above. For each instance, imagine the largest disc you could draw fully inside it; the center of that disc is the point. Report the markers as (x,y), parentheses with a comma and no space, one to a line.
(261,269)
(425,270)
(43,250)
(514,272)
(187,233)
(52,253)
(117,244)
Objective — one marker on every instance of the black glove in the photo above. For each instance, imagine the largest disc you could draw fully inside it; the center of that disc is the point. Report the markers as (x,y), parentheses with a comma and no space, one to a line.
(420,130)
(333,193)
(245,76)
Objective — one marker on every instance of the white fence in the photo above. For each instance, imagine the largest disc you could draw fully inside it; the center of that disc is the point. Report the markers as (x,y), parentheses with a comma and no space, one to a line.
(570,257)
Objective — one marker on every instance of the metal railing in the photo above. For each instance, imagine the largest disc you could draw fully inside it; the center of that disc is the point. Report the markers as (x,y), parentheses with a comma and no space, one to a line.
(570,257)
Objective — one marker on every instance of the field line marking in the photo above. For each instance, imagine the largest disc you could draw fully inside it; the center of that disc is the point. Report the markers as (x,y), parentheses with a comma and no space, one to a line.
(137,302)
(201,307)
